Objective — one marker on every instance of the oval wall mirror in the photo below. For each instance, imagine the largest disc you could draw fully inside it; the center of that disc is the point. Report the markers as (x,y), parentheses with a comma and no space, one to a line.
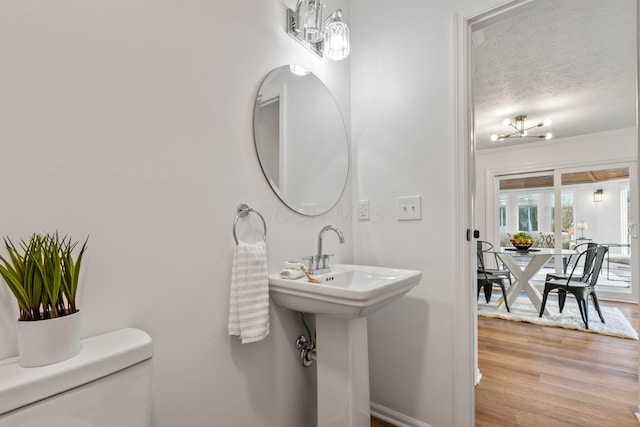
(301,140)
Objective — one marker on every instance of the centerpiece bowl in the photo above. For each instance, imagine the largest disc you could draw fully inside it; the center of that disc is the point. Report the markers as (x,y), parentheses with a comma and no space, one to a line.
(522,244)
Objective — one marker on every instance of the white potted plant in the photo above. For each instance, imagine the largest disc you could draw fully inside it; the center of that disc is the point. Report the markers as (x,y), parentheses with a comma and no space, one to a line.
(42,274)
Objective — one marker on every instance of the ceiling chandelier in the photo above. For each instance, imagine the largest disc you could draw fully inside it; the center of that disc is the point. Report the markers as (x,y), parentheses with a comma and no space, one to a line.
(521,130)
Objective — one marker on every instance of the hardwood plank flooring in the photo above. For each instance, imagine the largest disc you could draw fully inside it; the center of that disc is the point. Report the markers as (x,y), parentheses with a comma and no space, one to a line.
(535,376)
(542,376)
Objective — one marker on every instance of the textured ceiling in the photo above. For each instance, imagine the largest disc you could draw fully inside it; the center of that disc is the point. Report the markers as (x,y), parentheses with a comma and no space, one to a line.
(571,61)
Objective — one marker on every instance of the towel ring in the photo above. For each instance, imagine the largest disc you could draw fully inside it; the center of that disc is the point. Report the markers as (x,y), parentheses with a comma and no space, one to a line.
(244,210)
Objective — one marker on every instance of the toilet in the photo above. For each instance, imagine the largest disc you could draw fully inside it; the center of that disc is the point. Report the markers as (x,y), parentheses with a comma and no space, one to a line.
(107,384)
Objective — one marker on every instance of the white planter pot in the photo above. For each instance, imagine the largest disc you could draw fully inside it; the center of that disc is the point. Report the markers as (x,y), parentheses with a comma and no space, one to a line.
(44,342)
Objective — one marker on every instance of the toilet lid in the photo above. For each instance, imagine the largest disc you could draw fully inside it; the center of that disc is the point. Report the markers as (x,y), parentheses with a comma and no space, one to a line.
(100,356)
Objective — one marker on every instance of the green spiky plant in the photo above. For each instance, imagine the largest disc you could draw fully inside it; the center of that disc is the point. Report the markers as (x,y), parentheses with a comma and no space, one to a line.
(522,236)
(42,274)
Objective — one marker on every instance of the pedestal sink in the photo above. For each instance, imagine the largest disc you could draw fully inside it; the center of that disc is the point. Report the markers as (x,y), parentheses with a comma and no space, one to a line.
(341,301)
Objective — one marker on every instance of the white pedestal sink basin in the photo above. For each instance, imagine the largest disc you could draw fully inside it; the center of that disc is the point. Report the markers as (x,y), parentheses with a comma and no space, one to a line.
(341,302)
(349,291)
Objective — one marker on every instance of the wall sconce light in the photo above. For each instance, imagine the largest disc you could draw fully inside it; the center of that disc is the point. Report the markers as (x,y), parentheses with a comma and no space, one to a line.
(328,37)
(582,225)
(597,195)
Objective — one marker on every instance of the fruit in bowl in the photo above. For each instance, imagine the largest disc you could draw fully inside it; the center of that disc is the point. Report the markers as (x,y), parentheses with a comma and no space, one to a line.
(522,241)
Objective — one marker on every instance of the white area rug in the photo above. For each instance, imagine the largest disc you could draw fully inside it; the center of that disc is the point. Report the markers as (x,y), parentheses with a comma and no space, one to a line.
(523,311)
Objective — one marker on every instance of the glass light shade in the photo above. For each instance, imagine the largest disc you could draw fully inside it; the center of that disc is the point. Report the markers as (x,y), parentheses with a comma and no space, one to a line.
(546,123)
(506,122)
(336,40)
(310,19)
(494,137)
(597,196)
(549,135)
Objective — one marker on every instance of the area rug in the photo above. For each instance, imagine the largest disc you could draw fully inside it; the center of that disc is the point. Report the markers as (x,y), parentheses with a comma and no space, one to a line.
(523,311)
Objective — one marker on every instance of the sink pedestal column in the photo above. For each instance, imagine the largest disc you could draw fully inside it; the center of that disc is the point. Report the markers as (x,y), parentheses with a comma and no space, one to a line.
(343,372)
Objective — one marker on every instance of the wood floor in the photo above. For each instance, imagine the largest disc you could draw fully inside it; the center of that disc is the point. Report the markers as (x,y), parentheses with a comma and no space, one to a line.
(538,376)
(543,376)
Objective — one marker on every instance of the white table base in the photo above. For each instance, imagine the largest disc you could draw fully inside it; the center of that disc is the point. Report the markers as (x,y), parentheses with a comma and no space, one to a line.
(523,277)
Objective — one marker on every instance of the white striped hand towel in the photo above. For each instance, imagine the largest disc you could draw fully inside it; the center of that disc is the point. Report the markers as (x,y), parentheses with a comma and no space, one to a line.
(249,301)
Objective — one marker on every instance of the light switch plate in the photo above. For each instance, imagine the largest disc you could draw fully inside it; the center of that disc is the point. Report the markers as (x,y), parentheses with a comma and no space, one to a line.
(409,208)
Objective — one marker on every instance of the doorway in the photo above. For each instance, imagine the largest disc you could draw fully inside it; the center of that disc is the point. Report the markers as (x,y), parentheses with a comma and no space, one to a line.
(569,158)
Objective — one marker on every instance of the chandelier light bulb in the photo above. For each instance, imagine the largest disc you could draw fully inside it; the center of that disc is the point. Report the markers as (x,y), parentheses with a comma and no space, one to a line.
(520,129)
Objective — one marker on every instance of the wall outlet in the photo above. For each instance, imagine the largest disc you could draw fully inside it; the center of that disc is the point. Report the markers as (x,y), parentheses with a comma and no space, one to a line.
(409,208)
(363,209)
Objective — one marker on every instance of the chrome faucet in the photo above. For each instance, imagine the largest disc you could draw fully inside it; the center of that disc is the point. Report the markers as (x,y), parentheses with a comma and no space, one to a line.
(320,262)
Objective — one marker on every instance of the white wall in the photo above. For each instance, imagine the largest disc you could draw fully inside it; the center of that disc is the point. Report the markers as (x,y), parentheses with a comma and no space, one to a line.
(140,114)
(402,124)
(604,219)
(131,121)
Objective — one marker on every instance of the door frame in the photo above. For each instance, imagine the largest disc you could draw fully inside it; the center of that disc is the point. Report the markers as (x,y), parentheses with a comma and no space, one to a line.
(466,373)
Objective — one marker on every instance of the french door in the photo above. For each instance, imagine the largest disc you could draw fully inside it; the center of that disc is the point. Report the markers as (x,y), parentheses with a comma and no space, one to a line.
(565,207)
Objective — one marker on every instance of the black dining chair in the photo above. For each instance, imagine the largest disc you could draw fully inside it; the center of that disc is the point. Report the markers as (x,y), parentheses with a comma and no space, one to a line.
(588,259)
(486,280)
(580,284)
(483,247)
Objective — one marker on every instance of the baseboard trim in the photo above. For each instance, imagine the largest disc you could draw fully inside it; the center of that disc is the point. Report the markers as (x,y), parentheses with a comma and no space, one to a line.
(395,418)
(637,414)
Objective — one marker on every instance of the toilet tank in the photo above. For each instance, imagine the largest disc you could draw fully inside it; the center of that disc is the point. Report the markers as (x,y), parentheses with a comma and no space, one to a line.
(107,384)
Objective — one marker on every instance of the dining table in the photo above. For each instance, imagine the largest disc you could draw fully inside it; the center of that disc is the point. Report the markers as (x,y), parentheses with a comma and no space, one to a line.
(523,272)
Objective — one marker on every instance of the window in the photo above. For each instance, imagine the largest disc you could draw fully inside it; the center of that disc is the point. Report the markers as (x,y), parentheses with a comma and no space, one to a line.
(503,214)
(527,213)
(625,217)
(567,212)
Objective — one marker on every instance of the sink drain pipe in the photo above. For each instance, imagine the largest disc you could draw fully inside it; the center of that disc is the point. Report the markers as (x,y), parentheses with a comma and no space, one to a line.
(306,345)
